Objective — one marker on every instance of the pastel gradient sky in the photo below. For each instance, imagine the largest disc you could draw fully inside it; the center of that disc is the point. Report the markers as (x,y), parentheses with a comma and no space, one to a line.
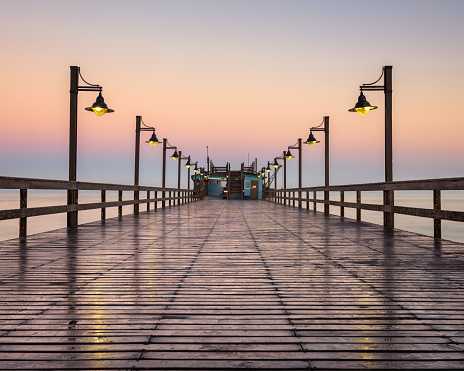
(245,77)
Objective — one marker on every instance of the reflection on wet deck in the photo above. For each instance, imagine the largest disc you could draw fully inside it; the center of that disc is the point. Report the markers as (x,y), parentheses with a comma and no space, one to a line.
(231,284)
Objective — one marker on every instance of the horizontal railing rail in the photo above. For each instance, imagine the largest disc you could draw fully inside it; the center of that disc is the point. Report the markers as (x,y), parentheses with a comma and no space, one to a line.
(296,197)
(167,196)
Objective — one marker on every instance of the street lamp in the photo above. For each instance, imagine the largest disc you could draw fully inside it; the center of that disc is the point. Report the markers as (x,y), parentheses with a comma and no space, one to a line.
(100,108)
(175,156)
(276,166)
(312,141)
(153,141)
(289,156)
(363,107)
(187,165)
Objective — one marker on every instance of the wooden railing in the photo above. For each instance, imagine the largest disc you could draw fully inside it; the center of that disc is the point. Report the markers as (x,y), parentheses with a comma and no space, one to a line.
(298,196)
(167,197)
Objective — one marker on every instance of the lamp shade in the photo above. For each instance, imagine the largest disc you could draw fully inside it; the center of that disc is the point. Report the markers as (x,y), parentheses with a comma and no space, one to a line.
(153,140)
(188,164)
(275,164)
(288,155)
(311,140)
(196,169)
(362,106)
(99,107)
(175,155)
(268,169)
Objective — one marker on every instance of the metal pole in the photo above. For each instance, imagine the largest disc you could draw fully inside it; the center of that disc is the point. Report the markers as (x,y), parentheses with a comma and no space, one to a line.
(389,220)
(72,194)
(275,184)
(138,120)
(299,171)
(163,184)
(178,169)
(326,193)
(285,179)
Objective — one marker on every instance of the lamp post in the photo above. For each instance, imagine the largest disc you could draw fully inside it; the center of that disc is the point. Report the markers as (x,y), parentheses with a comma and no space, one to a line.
(175,156)
(363,107)
(153,141)
(312,141)
(289,156)
(268,171)
(100,108)
(276,166)
(187,165)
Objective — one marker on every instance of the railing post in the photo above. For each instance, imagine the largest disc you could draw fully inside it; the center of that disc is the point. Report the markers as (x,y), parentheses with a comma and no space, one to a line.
(136,198)
(170,198)
(388,217)
(72,215)
(155,206)
(103,209)
(22,205)
(293,193)
(120,206)
(326,202)
(148,198)
(314,202)
(358,201)
(342,208)
(437,206)
(307,200)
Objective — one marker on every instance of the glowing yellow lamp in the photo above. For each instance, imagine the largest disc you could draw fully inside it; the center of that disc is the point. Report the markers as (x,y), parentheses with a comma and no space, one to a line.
(311,140)
(99,107)
(362,106)
(175,155)
(153,140)
(288,155)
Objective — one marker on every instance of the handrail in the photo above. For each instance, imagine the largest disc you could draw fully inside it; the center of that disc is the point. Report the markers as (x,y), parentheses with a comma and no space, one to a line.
(287,197)
(175,196)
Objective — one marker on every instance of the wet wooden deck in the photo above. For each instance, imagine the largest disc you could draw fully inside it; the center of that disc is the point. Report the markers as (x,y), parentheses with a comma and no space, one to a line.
(222,284)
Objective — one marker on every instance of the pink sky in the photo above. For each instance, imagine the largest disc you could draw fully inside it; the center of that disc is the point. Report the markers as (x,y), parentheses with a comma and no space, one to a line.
(244,78)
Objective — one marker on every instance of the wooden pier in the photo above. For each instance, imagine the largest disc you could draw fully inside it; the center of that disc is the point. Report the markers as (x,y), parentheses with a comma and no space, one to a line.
(230,284)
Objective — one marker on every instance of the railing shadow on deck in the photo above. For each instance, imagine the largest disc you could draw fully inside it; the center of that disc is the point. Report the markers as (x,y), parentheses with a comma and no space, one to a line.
(167,197)
(296,197)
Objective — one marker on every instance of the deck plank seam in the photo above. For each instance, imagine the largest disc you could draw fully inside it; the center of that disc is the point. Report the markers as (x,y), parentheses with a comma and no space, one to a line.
(269,274)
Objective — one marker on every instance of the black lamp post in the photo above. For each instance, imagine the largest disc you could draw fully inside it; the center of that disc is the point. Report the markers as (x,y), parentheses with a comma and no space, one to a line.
(175,156)
(187,165)
(289,156)
(268,171)
(312,141)
(100,108)
(153,141)
(363,107)
(276,166)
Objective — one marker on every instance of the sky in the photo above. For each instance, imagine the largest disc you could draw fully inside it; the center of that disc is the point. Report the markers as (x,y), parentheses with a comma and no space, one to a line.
(245,78)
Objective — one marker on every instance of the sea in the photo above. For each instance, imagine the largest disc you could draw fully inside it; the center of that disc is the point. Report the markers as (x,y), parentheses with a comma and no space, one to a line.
(451,200)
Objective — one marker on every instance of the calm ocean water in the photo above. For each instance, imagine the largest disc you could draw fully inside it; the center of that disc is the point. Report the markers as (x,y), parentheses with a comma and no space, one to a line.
(451,200)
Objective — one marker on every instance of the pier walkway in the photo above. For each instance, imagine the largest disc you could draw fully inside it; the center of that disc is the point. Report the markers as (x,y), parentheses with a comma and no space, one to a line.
(220,284)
